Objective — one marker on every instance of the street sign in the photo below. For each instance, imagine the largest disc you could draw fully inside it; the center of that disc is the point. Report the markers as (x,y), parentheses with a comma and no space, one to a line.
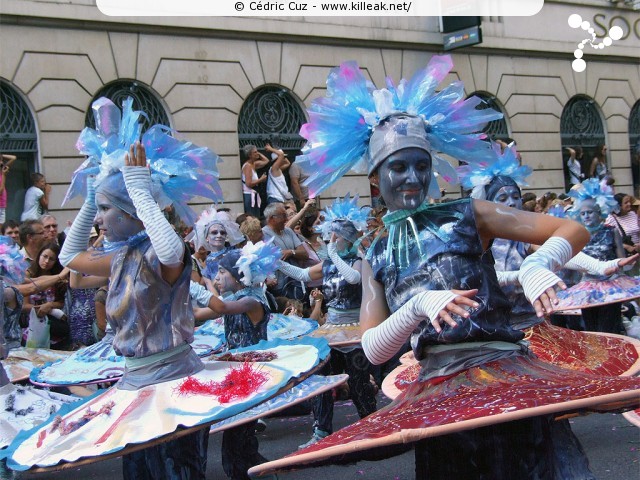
(462,38)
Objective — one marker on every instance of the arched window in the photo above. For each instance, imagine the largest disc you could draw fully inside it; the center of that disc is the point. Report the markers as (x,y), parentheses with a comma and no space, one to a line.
(18,138)
(271,114)
(581,125)
(496,129)
(634,147)
(143,99)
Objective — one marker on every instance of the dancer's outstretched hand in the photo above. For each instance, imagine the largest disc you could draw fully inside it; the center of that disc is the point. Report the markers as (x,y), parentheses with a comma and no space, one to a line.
(622,262)
(137,156)
(545,302)
(439,305)
(136,173)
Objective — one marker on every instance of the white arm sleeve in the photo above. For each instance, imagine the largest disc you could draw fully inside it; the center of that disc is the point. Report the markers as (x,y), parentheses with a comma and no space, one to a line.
(201,295)
(78,236)
(351,275)
(382,342)
(297,273)
(536,272)
(168,245)
(508,277)
(584,262)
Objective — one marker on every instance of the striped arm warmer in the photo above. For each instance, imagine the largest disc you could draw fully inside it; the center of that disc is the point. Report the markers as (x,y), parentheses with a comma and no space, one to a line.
(201,295)
(351,275)
(297,273)
(78,236)
(584,262)
(168,245)
(536,272)
(382,342)
(507,277)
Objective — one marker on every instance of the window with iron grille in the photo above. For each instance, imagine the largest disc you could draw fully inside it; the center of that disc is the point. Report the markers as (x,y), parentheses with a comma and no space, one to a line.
(496,129)
(272,115)
(18,137)
(581,125)
(16,122)
(143,99)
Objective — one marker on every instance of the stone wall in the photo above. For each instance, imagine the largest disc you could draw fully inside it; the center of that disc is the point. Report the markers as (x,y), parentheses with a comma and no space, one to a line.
(202,76)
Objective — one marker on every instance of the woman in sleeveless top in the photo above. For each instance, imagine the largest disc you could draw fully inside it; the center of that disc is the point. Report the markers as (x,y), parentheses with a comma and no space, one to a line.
(254,161)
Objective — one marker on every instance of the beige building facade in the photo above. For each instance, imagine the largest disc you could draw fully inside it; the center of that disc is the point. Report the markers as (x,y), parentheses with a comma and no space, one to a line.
(55,57)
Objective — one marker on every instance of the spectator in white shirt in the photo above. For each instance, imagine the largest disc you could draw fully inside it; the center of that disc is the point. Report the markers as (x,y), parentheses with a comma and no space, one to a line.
(36,200)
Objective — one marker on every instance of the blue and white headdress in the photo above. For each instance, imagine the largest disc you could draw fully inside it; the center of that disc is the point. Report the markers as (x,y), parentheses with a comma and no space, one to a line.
(211,216)
(13,265)
(344,218)
(591,189)
(179,169)
(355,126)
(487,177)
(557,211)
(257,262)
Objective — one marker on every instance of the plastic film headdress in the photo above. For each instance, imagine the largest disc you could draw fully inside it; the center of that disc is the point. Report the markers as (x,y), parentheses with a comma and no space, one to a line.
(344,218)
(341,125)
(557,211)
(13,265)
(592,190)
(210,217)
(179,169)
(488,177)
(257,262)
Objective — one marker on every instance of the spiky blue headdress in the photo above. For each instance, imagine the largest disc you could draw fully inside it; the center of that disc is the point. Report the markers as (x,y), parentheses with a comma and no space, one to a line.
(13,265)
(257,262)
(179,169)
(343,217)
(342,123)
(557,211)
(480,176)
(592,190)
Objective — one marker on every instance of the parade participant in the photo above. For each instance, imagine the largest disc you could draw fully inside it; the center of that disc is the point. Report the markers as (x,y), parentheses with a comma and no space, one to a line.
(246,311)
(500,182)
(218,234)
(479,391)
(13,267)
(148,262)
(591,206)
(166,397)
(344,222)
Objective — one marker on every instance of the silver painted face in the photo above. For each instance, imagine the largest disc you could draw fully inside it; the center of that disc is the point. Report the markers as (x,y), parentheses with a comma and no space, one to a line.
(590,214)
(404,179)
(216,237)
(115,224)
(225,282)
(509,196)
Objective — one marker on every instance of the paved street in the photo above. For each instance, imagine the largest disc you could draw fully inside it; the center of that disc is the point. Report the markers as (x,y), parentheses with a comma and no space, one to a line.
(612,444)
